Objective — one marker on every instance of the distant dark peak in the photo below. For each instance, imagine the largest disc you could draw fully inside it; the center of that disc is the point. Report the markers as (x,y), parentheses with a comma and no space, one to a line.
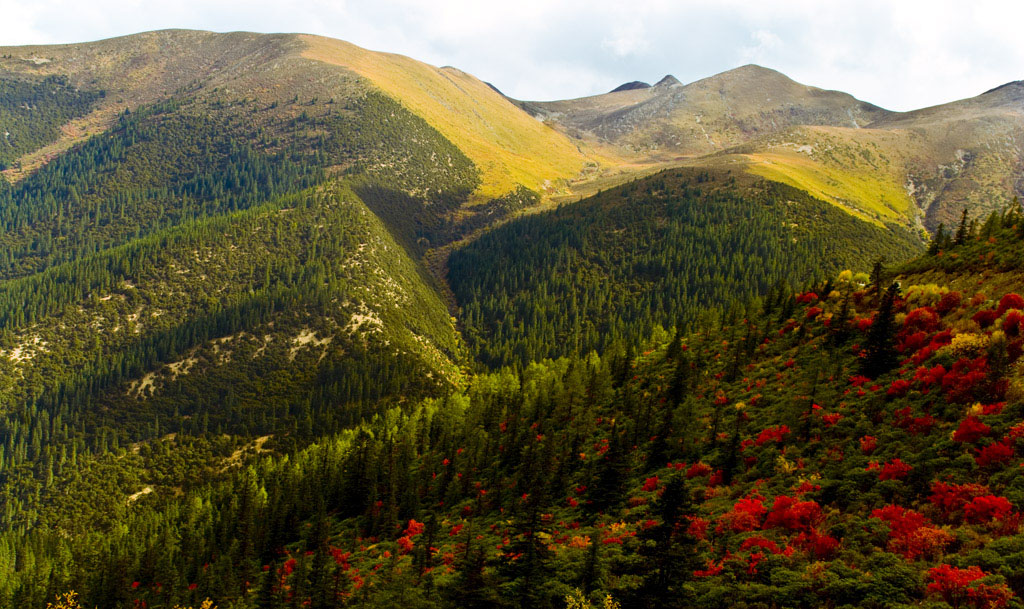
(496,89)
(630,86)
(668,81)
(1015,83)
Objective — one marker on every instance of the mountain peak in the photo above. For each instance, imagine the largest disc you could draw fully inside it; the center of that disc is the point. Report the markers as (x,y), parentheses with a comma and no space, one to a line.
(630,86)
(668,81)
(1013,84)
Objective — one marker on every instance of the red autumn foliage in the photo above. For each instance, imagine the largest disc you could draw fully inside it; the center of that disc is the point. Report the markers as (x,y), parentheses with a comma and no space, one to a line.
(948,302)
(962,381)
(1013,325)
(650,484)
(794,515)
(951,498)
(831,418)
(971,430)
(868,444)
(713,568)
(806,298)
(405,544)
(914,425)
(823,547)
(894,470)
(772,434)
(746,515)
(698,528)
(813,312)
(994,408)
(985,317)
(698,469)
(998,453)
(927,377)
(1010,301)
(961,587)
(898,388)
(911,534)
(924,319)
(987,508)
(911,343)
(761,543)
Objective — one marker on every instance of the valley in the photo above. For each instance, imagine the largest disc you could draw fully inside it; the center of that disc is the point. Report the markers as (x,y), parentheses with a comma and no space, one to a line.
(287,322)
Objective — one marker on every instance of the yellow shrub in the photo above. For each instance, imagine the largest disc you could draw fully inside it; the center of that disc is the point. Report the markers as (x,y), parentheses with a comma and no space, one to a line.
(966,345)
(577,600)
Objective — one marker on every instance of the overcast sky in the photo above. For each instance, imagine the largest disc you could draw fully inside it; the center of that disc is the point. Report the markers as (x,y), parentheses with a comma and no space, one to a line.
(899,54)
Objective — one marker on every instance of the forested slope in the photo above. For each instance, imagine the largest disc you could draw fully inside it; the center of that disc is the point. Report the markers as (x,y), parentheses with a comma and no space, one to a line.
(847,445)
(658,251)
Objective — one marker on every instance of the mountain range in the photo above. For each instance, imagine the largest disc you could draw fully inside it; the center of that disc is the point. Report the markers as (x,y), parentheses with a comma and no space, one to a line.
(259,291)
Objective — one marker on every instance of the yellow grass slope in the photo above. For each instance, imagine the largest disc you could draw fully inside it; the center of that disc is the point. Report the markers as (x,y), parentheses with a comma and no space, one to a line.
(509,146)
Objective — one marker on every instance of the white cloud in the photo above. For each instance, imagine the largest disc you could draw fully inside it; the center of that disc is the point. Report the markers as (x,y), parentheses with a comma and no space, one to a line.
(899,55)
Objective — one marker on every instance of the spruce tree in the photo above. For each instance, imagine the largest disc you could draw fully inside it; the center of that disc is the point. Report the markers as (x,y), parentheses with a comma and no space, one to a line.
(963,230)
(880,349)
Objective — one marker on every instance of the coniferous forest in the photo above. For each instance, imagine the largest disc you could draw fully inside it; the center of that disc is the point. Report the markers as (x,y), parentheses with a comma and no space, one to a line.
(265,349)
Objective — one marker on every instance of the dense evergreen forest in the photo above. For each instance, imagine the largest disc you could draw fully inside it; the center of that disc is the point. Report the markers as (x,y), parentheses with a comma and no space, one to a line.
(33,111)
(655,252)
(852,444)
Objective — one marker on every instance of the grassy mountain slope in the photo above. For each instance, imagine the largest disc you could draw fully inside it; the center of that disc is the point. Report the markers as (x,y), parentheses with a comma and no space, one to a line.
(918,168)
(510,147)
(708,115)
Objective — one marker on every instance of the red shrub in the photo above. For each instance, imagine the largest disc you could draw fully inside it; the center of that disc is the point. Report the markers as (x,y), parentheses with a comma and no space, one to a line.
(948,302)
(760,542)
(898,388)
(868,444)
(971,430)
(910,533)
(894,470)
(794,515)
(813,312)
(697,470)
(772,434)
(746,515)
(821,546)
(651,484)
(913,342)
(985,317)
(806,298)
(951,498)
(999,453)
(960,587)
(927,377)
(831,418)
(961,383)
(1013,325)
(698,528)
(1010,301)
(923,318)
(987,508)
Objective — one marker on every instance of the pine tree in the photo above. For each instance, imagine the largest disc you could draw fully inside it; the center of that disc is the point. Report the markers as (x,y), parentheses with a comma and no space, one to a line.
(667,551)
(963,231)
(938,241)
(880,350)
